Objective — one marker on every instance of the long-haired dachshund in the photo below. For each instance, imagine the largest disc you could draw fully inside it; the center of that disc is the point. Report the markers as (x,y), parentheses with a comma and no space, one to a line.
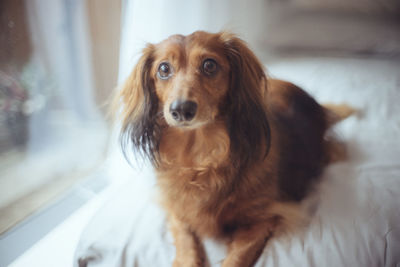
(234,152)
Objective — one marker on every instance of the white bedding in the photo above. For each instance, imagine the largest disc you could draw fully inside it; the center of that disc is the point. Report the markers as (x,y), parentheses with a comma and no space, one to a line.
(357,221)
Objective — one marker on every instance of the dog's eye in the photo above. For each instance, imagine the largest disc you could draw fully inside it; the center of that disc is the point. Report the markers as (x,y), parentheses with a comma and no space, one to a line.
(164,71)
(209,66)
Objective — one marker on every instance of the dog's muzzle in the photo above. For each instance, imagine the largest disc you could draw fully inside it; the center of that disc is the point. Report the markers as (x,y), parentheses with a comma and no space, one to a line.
(183,110)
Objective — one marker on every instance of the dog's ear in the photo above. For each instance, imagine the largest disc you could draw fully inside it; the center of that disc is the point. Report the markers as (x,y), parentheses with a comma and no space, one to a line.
(246,114)
(139,109)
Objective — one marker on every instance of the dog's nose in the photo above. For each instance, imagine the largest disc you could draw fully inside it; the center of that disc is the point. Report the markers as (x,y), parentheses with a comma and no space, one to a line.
(182,110)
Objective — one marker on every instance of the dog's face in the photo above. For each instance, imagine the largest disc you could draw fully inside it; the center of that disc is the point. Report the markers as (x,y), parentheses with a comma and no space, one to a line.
(187,82)
(191,78)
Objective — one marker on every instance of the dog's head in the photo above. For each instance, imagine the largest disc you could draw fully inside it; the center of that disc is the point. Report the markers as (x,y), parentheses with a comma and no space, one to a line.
(192,81)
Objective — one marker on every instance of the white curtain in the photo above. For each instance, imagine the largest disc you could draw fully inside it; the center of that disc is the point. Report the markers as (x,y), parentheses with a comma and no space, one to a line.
(61,71)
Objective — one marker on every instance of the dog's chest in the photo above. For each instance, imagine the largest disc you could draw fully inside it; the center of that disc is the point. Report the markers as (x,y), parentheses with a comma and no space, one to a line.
(194,174)
(195,198)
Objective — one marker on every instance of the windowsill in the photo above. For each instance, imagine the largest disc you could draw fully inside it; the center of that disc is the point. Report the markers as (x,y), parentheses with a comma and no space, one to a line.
(57,248)
(49,237)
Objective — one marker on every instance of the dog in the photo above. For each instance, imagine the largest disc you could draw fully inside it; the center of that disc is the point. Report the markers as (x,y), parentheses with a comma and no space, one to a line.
(235,152)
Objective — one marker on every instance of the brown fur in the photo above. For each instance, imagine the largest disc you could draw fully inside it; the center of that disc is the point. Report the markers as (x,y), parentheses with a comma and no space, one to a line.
(237,171)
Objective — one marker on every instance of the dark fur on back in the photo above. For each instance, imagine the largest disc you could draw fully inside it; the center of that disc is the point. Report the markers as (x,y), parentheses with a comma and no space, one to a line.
(302,154)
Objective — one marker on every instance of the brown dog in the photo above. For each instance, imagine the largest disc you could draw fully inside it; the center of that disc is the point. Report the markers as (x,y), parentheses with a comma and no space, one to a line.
(235,152)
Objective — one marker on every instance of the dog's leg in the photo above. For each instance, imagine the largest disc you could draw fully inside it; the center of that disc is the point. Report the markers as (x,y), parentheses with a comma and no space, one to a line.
(189,249)
(247,245)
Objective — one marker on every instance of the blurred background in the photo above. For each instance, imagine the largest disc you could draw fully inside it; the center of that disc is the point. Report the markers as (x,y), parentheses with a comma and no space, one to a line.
(60,61)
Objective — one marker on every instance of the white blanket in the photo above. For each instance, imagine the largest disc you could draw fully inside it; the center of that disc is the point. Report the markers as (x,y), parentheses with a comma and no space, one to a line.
(357,221)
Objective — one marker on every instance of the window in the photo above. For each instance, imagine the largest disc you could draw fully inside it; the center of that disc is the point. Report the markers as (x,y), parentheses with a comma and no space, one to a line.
(58,66)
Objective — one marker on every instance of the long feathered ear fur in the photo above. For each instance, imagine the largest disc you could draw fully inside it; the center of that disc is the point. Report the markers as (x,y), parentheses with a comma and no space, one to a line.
(247,122)
(140,109)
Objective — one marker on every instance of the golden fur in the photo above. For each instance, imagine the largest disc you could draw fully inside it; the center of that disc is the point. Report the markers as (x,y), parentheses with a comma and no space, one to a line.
(239,168)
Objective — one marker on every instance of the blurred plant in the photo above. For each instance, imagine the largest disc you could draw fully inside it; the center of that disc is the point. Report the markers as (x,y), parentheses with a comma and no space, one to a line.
(38,85)
(21,96)
(12,118)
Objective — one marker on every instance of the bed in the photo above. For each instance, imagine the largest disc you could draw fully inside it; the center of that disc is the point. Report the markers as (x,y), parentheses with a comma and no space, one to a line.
(356,221)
